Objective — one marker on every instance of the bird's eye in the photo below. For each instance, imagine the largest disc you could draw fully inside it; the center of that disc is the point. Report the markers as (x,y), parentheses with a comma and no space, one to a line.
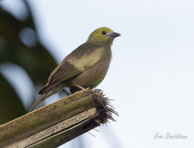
(103,32)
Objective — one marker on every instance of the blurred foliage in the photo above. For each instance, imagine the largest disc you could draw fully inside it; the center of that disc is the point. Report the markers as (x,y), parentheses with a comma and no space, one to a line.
(10,103)
(20,45)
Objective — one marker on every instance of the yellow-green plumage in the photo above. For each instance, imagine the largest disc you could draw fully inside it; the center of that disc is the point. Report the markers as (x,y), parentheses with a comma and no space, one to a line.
(86,66)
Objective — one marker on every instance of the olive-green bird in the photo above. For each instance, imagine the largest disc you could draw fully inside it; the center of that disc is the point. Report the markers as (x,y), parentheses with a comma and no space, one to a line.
(85,67)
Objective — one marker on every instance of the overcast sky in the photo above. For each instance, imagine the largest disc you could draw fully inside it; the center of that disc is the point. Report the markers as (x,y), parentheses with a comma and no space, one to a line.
(151,77)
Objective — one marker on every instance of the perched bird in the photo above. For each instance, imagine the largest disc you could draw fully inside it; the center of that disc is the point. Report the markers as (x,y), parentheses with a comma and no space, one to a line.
(85,67)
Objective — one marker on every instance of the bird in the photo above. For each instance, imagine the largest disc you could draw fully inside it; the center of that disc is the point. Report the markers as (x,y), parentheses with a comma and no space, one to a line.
(85,67)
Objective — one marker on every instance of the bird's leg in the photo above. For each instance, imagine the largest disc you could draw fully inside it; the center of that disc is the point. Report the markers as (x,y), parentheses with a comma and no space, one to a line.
(77,88)
(80,87)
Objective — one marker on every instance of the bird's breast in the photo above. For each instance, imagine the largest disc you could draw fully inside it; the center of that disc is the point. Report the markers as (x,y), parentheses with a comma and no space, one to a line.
(94,74)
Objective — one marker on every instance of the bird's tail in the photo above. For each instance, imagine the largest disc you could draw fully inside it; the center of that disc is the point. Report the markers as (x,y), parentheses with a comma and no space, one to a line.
(45,94)
(41,98)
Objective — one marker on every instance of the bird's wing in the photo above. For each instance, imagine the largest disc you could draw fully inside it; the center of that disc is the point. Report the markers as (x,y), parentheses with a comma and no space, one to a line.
(75,63)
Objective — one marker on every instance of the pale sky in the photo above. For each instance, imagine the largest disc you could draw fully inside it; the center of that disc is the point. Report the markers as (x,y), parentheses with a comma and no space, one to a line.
(151,77)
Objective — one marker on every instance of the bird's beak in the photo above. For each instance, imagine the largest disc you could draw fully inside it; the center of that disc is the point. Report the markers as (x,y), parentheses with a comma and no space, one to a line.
(114,34)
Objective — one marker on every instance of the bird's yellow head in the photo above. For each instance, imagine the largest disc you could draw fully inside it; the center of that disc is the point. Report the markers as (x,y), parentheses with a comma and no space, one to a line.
(103,35)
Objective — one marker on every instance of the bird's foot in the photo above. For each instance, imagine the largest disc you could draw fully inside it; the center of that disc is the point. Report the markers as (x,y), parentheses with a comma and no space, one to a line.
(98,90)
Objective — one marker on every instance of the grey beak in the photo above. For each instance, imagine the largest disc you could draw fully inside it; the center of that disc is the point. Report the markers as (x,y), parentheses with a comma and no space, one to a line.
(114,34)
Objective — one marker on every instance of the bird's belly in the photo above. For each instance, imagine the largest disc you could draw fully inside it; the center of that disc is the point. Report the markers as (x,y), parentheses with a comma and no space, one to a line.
(93,76)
